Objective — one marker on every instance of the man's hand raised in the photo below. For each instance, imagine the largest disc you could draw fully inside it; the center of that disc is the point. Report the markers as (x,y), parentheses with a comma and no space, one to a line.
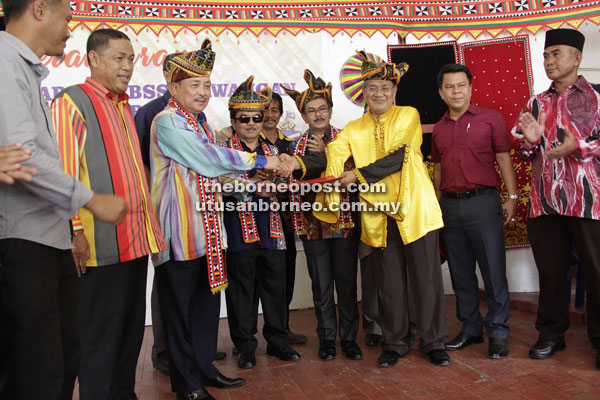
(531,128)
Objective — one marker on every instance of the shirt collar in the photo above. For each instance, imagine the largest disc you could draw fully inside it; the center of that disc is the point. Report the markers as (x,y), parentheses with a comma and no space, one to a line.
(383,116)
(471,110)
(101,91)
(581,84)
(25,52)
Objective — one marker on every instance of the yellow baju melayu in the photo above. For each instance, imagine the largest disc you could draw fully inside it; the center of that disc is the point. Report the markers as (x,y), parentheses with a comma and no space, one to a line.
(369,139)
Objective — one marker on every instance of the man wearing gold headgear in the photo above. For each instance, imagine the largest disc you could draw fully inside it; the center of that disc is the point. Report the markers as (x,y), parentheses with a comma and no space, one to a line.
(185,162)
(406,242)
(255,243)
(331,248)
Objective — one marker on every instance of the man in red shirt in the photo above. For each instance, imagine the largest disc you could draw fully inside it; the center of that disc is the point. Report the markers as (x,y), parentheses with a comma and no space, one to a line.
(558,130)
(465,144)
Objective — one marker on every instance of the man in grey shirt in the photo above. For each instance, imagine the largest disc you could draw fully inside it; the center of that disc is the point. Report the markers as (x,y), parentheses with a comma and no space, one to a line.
(39,339)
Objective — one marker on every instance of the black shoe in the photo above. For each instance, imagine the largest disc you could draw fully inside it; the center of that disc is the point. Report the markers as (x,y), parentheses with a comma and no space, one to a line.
(200,394)
(223,382)
(546,348)
(221,355)
(162,365)
(388,358)
(498,348)
(285,353)
(246,360)
(351,350)
(295,338)
(462,341)
(439,357)
(327,350)
(372,339)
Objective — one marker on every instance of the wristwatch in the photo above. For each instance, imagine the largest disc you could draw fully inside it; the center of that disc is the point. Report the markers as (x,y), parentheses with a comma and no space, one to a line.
(513,196)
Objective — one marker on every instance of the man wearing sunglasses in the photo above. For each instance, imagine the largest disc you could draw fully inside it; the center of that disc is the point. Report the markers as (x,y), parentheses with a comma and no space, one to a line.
(331,249)
(256,243)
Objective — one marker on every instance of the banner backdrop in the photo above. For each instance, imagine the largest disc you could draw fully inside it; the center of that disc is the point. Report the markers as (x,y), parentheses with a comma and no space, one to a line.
(272,60)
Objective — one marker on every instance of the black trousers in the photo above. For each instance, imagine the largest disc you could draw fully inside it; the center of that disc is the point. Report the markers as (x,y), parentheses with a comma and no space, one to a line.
(473,232)
(112,313)
(256,274)
(421,260)
(191,319)
(39,330)
(290,273)
(159,347)
(368,285)
(551,237)
(334,262)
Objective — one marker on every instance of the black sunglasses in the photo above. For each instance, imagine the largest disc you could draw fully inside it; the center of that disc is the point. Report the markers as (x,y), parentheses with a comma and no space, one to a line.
(245,119)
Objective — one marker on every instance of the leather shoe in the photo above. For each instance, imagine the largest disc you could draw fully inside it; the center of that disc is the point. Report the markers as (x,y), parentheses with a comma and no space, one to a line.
(295,338)
(498,348)
(221,355)
(327,350)
(372,339)
(200,394)
(285,353)
(439,357)
(246,360)
(351,350)
(223,382)
(462,341)
(388,358)
(546,348)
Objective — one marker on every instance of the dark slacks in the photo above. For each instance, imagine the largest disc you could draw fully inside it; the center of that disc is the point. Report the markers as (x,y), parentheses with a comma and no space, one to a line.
(290,273)
(252,274)
(550,238)
(191,320)
(473,231)
(421,260)
(112,314)
(159,347)
(333,262)
(39,330)
(370,316)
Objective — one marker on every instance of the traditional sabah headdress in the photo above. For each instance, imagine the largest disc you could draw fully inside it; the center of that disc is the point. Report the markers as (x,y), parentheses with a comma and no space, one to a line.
(568,37)
(246,99)
(317,89)
(191,64)
(381,71)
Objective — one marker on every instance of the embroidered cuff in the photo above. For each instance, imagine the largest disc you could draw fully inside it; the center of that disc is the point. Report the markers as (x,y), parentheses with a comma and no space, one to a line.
(302,165)
(359,176)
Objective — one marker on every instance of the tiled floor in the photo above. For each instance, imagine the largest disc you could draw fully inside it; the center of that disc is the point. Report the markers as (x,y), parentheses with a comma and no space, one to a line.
(570,374)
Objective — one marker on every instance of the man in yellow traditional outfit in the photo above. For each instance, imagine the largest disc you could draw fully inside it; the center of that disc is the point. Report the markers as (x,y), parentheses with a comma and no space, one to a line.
(406,241)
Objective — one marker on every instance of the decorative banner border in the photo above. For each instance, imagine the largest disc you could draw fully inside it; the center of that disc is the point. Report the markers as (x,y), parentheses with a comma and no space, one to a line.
(417,18)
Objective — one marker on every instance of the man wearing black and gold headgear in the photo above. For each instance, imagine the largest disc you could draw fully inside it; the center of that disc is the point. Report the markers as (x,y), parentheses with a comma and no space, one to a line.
(255,243)
(406,241)
(559,131)
(331,249)
(186,165)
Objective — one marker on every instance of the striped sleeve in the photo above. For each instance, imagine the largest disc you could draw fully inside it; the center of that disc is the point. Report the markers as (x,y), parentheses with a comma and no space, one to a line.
(71,131)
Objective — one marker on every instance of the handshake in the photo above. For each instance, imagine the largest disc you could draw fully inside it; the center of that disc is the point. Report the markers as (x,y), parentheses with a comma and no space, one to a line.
(282,165)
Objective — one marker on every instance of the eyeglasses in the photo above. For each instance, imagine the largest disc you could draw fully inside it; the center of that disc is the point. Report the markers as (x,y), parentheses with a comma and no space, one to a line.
(245,119)
(383,89)
(315,111)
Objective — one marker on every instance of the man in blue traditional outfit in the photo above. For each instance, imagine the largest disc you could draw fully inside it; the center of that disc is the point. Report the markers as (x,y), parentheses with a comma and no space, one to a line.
(185,162)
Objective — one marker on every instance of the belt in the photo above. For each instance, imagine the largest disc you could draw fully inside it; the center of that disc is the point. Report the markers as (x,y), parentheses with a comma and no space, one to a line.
(469,193)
